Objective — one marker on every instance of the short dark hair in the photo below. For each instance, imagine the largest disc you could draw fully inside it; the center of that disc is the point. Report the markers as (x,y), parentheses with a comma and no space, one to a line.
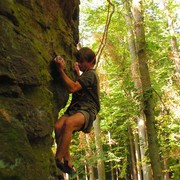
(86,54)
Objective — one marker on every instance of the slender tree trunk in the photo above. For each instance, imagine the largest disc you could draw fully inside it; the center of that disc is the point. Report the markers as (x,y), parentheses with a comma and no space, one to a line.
(99,149)
(138,86)
(147,91)
(111,163)
(77,176)
(166,174)
(143,145)
(90,167)
(86,170)
(133,159)
(66,176)
(138,156)
(117,173)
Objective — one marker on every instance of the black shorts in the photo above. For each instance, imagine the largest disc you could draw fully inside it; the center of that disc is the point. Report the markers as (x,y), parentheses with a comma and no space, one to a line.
(89,118)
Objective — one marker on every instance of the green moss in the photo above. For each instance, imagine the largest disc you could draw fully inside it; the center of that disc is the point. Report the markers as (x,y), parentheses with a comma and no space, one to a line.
(15,149)
(17,156)
(33,32)
(10,166)
(44,159)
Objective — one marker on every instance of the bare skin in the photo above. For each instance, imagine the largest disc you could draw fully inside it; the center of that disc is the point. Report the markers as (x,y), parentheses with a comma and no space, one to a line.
(65,126)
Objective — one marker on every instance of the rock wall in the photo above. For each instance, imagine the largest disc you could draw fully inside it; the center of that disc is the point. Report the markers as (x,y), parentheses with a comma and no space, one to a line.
(32,33)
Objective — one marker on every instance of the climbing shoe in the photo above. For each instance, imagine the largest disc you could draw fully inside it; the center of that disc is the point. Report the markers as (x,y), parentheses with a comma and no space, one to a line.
(64,167)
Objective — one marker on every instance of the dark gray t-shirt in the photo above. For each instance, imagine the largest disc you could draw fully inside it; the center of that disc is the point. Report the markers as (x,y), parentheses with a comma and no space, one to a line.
(87,99)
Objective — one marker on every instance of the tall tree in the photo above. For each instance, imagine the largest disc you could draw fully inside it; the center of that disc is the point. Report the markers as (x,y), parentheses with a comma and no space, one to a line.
(134,169)
(111,163)
(138,86)
(146,90)
(99,149)
(90,153)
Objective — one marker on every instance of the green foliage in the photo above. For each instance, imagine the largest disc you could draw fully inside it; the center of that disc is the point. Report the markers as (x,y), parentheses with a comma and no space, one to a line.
(119,99)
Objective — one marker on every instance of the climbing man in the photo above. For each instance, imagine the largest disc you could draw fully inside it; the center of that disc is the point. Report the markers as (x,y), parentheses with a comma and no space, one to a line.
(84,106)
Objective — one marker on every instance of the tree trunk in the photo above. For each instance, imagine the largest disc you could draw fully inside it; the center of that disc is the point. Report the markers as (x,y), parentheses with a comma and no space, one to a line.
(86,170)
(111,163)
(147,92)
(133,160)
(166,174)
(138,156)
(90,167)
(99,149)
(143,145)
(138,86)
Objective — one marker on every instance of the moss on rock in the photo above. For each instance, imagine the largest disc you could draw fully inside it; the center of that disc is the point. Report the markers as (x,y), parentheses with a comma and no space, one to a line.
(31,93)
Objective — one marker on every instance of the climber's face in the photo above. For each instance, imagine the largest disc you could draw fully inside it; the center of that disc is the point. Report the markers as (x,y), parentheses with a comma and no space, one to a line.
(84,65)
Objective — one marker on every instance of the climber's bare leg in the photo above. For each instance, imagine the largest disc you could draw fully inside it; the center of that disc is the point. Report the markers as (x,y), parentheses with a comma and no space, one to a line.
(71,123)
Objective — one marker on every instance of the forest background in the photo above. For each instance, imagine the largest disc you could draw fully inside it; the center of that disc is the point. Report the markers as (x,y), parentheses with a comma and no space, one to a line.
(139,71)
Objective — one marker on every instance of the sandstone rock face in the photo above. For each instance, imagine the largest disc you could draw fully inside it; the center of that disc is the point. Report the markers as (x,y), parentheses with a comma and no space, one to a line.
(32,33)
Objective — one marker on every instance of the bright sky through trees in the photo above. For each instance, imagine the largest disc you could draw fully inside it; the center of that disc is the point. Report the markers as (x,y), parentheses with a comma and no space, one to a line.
(85,35)
(86,32)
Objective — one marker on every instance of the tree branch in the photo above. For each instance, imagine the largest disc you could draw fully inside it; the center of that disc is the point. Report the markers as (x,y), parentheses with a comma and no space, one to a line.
(105,33)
